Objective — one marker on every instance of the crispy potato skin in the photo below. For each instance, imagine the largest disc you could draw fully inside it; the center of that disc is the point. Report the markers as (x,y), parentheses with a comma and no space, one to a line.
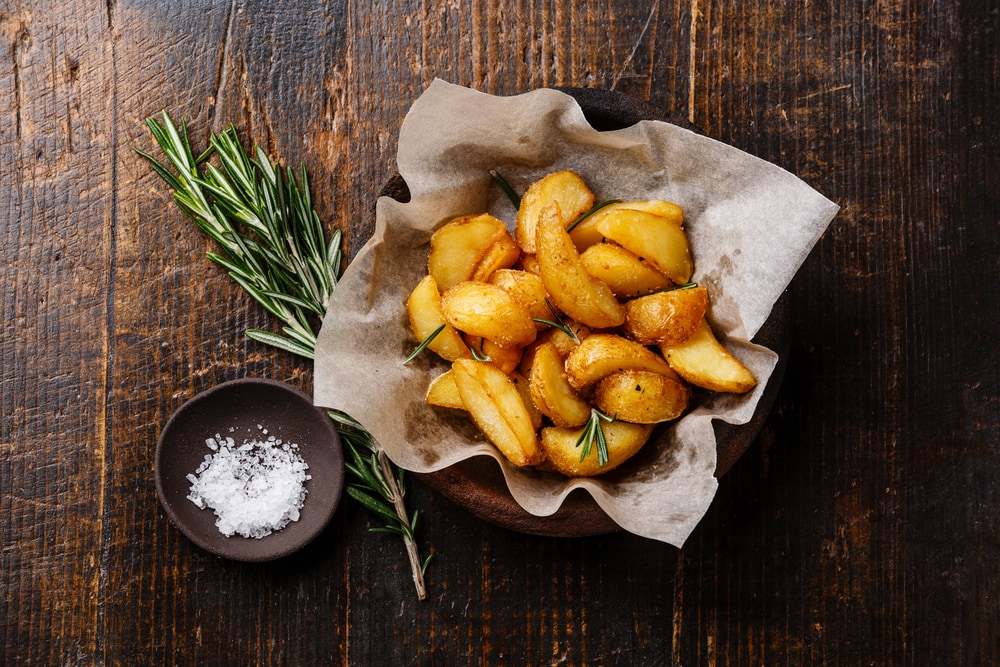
(586,233)
(657,239)
(600,355)
(458,246)
(572,290)
(666,318)
(527,289)
(485,310)
(623,271)
(565,187)
(551,391)
(624,441)
(425,313)
(503,253)
(642,397)
(704,362)
(443,392)
(495,404)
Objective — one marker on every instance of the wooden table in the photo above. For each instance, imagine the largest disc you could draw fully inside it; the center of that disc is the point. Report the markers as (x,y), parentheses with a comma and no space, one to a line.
(861,528)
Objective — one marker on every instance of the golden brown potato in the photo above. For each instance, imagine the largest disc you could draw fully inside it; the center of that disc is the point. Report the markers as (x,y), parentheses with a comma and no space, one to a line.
(425,313)
(459,245)
(563,342)
(551,391)
(524,388)
(527,289)
(666,318)
(482,309)
(564,187)
(703,361)
(623,271)
(641,397)
(503,357)
(656,239)
(528,263)
(496,406)
(443,392)
(503,254)
(571,289)
(600,355)
(624,441)
(586,234)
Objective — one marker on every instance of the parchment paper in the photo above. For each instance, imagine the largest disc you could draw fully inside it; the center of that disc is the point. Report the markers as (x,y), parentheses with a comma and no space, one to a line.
(750,225)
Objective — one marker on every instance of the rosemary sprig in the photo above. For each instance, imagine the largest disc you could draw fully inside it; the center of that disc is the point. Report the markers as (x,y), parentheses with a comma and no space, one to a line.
(479,354)
(423,344)
(506,187)
(557,322)
(273,246)
(591,211)
(593,433)
(674,288)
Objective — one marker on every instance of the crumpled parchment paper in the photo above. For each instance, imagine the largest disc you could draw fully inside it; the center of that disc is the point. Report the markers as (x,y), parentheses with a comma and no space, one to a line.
(750,226)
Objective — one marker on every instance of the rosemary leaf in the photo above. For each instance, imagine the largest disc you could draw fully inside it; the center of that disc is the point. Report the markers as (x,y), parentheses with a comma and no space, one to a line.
(280,342)
(505,186)
(594,209)
(423,344)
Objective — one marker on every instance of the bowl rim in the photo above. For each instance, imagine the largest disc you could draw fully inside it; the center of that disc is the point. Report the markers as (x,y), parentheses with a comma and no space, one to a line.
(277,544)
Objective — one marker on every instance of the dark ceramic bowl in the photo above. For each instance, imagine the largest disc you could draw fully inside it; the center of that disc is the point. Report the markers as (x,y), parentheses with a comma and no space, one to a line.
(477,484)
(238,409)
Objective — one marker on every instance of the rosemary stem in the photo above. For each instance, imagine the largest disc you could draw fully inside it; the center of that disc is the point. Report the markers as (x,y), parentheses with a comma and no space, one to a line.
(400,507)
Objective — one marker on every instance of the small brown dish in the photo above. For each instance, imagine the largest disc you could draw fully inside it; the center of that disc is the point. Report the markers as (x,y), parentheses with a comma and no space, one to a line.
(252,409)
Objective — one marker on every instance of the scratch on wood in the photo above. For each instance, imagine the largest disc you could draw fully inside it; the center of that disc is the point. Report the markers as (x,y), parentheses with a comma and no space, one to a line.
(816,94)
(109,5)
(628,61)
(22,36)
(691,58)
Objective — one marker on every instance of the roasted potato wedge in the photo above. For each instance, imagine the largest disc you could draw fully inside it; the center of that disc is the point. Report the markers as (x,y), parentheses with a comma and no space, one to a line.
(527,289)
(642,397)
(528,263)
(623,271)
(571,289)
(586,234)
(482,309)
(600,355)
(666,318)
(443,392)
(624,441)
(495,404)
(552,393)
(564,187)
(704,362)
(524,388)
(503,254)
(425,313)
(656,239)
(458,246)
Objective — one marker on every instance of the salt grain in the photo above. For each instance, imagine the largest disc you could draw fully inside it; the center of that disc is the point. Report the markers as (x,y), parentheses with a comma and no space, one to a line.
(254,489)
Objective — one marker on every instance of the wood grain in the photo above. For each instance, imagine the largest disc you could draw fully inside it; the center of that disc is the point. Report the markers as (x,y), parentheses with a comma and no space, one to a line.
(862,526)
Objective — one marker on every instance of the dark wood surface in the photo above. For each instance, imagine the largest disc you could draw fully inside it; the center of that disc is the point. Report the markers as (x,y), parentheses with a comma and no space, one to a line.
(861,528)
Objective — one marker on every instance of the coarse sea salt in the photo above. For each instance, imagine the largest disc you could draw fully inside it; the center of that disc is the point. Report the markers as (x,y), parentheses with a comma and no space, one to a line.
(254,488)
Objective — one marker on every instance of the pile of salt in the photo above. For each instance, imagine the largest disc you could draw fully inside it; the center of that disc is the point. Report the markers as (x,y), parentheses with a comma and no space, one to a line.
(254,489)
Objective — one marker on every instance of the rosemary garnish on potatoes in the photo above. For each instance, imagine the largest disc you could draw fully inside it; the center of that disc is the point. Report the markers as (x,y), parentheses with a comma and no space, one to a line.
(274,247)
(593,433)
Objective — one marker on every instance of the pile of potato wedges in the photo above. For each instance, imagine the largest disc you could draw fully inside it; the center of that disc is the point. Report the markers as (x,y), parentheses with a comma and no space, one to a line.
(578,311)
